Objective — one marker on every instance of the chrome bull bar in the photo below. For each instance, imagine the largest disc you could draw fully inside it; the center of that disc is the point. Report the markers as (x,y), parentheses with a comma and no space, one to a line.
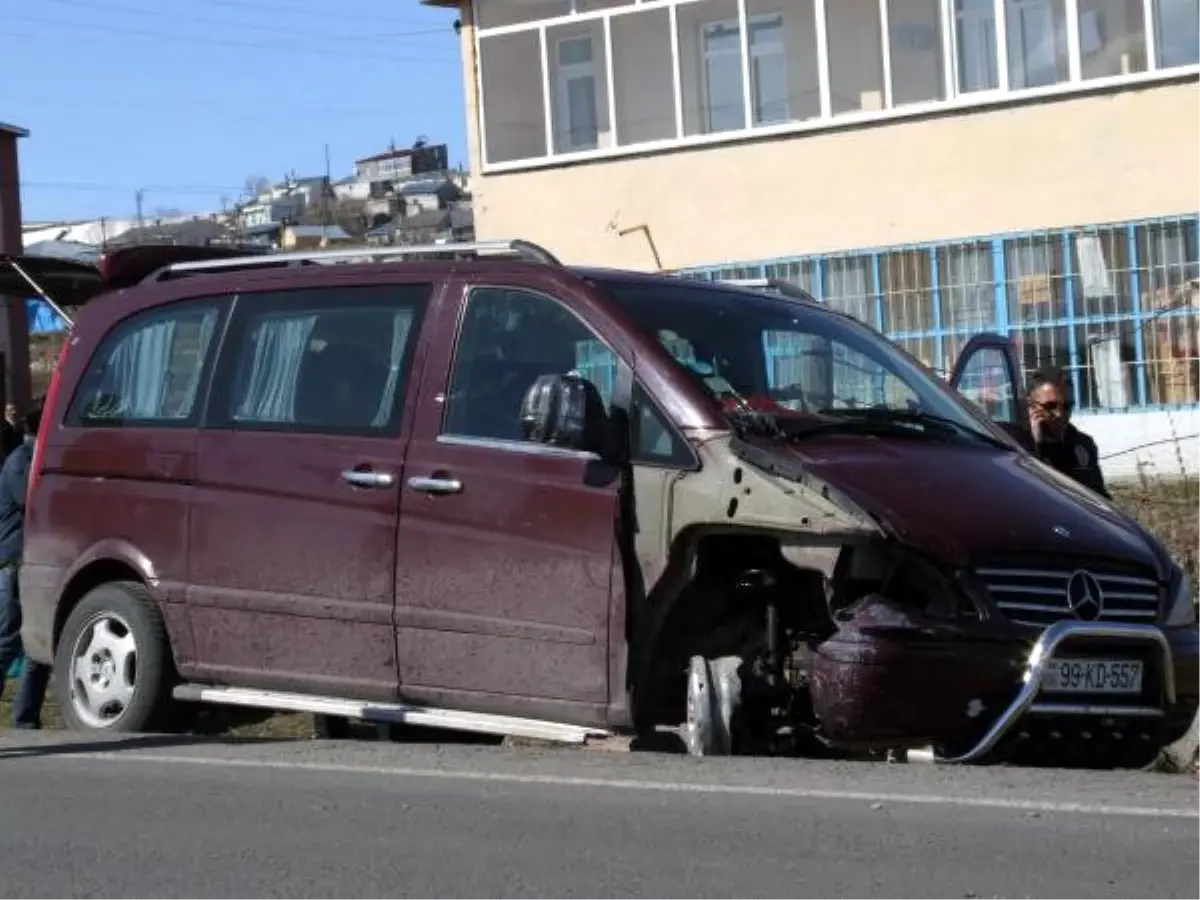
(1042,653)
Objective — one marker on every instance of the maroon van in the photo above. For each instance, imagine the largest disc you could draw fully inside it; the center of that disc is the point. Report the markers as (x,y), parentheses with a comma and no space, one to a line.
(470,487)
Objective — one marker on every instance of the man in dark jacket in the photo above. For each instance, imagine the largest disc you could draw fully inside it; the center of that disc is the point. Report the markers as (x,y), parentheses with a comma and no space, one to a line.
(10,431)
(1059,443)
(14,477)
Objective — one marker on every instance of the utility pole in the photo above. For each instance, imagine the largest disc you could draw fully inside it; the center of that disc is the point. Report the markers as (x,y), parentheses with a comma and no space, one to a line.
(327,187)
(141,195)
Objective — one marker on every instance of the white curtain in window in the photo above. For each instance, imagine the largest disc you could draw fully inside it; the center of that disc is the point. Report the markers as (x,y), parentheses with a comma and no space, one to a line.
(401,324)
(968,291)
(270,393)
(139,368)
(848,288)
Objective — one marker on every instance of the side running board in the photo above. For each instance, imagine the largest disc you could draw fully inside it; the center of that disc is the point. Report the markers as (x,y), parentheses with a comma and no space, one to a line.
(390,713)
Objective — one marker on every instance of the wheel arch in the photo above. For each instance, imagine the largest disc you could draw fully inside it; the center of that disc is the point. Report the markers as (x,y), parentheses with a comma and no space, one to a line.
(112,559)
(81,582)
(663,600)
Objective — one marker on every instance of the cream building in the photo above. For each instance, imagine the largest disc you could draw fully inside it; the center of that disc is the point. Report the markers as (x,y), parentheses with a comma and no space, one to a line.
(936,167)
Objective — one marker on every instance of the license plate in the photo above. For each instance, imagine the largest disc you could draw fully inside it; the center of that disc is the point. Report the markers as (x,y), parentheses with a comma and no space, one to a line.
(1093,676)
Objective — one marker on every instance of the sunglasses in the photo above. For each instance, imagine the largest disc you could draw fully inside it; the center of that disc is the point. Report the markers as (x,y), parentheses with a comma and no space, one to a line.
(1052,406)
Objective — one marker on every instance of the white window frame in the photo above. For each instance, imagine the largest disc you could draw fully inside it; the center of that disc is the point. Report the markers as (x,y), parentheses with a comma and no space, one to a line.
(563,74)
(956,100)
(749,86)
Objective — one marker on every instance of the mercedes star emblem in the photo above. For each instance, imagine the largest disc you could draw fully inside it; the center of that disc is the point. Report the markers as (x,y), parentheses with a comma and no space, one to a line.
(1084,596)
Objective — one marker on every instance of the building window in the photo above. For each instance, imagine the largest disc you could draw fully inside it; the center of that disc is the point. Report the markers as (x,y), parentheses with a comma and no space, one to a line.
(722,45)
(643,77)
(722,49)
(856,77)
(1112,37)
(975,45)
(915,51)
(768,70)
(686,71)
(1177,32)
(577,113)
(848,287)
(1037,43)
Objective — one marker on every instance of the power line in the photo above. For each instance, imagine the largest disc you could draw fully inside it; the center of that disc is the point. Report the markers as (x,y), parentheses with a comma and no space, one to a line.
(114,188)
(394,38)
(253,113)
(292,10)
(229,42)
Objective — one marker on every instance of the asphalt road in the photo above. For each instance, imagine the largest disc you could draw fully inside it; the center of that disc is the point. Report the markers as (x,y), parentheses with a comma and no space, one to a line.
(169,818)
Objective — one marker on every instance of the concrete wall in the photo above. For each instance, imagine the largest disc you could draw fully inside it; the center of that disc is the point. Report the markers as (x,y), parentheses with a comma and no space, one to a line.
(1157,444)
(1099,157)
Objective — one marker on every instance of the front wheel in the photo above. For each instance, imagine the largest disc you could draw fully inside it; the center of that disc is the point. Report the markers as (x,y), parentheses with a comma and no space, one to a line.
(112,668)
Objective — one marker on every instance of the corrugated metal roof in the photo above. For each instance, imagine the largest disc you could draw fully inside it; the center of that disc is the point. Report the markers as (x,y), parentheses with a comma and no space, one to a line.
(335,232)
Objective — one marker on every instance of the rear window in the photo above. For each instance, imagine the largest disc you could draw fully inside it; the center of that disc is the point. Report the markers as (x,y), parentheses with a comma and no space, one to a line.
(149,369)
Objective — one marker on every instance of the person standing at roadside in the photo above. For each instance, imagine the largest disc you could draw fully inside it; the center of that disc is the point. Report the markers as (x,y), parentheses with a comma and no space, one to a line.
(14,478)
(1059,443)
(10,431)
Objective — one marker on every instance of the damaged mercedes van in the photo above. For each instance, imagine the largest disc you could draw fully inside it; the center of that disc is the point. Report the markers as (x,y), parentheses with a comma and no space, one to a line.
(470,487)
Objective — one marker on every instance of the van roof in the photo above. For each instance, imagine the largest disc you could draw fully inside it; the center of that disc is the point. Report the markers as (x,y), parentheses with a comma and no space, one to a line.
(72,283)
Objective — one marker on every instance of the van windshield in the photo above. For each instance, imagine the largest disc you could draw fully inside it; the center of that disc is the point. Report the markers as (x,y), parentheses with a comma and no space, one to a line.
(755,351)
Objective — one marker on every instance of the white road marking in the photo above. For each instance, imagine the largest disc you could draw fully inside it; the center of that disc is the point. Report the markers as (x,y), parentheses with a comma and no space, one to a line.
(631,784)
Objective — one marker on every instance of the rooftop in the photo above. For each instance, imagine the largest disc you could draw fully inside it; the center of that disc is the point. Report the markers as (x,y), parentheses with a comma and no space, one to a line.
(398,153)
(5,128)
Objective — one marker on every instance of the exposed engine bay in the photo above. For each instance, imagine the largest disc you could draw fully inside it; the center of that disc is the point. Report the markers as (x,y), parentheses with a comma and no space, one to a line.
(856,650)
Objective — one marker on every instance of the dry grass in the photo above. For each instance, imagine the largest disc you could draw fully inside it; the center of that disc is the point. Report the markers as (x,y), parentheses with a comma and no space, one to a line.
(1170,508)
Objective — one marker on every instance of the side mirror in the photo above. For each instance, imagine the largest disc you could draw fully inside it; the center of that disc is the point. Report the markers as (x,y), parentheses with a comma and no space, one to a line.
(565,411)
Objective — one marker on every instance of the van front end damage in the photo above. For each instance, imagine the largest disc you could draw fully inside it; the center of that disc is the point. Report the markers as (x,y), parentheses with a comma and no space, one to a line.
(834,637)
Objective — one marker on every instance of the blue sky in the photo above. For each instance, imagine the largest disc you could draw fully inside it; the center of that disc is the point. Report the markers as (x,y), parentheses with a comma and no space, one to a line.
(189,100)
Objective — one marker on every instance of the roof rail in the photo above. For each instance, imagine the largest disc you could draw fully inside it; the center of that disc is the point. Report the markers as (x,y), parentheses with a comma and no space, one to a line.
(524,249)
(773,284)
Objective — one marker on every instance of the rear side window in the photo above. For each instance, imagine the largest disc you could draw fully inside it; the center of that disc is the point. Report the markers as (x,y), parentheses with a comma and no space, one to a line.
(149,370)
(327,360)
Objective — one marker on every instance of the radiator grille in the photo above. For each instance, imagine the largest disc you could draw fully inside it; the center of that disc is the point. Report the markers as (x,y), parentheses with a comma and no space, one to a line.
(1036,596)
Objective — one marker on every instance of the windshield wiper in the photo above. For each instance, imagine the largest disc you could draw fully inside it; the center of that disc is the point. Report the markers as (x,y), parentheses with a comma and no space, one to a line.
(746,420)
(929,422)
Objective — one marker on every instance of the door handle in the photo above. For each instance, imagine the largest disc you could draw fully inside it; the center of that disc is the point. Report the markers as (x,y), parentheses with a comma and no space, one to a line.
(435,485)
(362,479)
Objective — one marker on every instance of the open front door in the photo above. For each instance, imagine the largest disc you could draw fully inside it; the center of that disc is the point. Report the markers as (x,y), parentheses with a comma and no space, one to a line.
(988,374)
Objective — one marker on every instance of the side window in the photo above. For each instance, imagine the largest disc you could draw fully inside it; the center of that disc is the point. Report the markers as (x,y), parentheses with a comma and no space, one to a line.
(654,440)
(149,369)
(508,339)
(327,360)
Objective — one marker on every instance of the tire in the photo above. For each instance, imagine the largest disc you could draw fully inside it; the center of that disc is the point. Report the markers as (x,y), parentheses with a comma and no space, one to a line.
(119,629)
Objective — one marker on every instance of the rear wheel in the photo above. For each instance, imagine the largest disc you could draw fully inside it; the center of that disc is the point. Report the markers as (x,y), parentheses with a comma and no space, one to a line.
(113,668)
